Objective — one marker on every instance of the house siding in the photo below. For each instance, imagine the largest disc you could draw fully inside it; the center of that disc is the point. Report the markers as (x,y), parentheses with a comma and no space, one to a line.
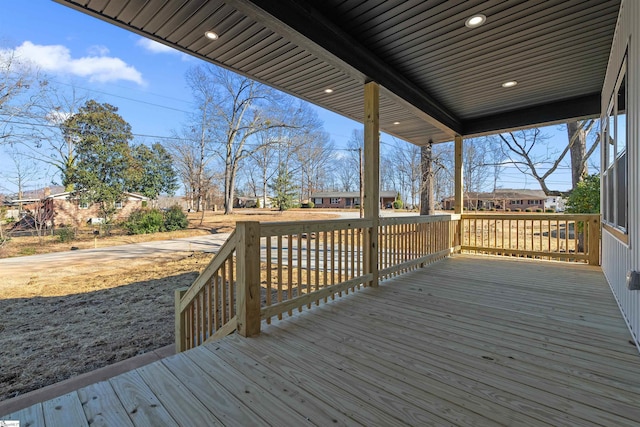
(618,257)
(66,212)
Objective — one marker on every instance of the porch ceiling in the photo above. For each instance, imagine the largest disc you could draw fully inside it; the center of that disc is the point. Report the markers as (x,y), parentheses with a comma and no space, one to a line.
(438,77)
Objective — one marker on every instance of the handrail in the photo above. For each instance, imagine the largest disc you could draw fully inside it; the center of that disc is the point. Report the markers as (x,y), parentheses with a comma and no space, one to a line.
(206,310)
(562,237)
(227,249)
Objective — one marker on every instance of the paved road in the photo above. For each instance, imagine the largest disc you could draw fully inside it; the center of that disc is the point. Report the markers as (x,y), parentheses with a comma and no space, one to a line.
(58,264)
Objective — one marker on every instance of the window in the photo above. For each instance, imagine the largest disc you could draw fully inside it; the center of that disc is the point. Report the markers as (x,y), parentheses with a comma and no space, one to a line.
(516,202)
(317,201)
(335,200)
(118,205)
(614,177)
(83,205)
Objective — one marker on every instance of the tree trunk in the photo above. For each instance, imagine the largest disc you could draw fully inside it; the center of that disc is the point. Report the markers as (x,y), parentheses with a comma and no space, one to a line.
(426,190)
(578,150)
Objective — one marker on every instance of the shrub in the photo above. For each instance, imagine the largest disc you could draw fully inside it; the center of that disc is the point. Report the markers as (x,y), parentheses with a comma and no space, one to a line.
(481,209)
(527,210)
(585,198)
(517,210)
(309,204)
(66,234)
(398,204)
(258,202)
(538,210)
(507,210)
(144,221)
(175,219)
(492,209)
(549,210)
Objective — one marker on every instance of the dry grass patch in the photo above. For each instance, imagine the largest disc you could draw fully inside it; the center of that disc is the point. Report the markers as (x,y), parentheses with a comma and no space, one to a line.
(80,324)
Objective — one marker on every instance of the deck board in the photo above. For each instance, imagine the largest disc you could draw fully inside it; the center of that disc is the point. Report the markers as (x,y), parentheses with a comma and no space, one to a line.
(102,407)
(469,340)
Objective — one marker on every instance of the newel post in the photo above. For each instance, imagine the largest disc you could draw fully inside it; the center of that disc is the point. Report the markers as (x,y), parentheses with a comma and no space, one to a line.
(181,327)
(594,240)
(248,276)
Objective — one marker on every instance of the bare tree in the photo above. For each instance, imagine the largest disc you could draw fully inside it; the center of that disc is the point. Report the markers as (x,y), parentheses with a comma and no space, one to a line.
(45,140)
(356,161)
(315,161)
(427,205)
(347,177)
(524,148)
(25,171)
(21,87)
(406,160)
(240,109)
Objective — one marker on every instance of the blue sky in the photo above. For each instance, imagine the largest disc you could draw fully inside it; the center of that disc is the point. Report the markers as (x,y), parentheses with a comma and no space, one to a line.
(145,80)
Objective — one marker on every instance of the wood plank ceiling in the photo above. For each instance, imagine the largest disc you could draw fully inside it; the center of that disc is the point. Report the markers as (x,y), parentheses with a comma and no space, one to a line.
(438,77)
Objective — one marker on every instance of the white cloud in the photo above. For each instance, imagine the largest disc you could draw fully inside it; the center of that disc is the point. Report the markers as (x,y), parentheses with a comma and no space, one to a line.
(57,59)
(98,50)
(155,47)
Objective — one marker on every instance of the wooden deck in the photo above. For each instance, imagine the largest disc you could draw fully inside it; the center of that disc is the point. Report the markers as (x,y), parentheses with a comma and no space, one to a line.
(466,341)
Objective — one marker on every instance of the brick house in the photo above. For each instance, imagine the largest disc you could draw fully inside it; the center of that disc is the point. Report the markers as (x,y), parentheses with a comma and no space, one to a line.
(501,199)
(66,209)
(347,199)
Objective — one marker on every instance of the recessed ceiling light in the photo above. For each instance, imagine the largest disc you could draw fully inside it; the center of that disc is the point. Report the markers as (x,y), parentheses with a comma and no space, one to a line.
(510,83)
(328,91)
(211,35)
(396,123)
(475,21)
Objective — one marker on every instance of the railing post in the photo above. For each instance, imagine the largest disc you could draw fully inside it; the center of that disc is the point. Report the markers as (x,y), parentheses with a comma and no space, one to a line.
(594,240)
(248,276)
(180,326)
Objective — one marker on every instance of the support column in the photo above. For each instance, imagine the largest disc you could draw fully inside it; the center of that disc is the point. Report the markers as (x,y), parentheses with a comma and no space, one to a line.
(372,176)
(248,278)
(459,187)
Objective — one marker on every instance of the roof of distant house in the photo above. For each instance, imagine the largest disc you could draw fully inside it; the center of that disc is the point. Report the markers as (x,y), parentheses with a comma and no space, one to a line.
(384,194)
(504,194)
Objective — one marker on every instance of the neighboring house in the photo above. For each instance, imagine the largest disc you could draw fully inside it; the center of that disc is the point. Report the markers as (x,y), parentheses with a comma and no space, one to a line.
(252,202)
(165,202)
(556,203)
(501,199)
(66,209)
(347,199)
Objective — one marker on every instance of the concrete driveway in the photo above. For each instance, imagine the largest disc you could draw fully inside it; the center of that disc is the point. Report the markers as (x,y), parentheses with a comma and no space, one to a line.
(60,264)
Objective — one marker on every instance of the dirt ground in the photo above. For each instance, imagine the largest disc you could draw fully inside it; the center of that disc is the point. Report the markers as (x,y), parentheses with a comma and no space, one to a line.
(56,328)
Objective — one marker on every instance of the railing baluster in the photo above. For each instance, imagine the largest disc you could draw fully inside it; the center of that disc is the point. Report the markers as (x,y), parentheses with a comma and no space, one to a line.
(268,259)
(279,269)
(290,269)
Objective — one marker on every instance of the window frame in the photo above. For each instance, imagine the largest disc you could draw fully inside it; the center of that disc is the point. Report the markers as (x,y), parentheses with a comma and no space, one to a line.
(614,198)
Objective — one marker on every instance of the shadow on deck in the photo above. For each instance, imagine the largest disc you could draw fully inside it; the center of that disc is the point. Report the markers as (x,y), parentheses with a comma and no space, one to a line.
(466,341)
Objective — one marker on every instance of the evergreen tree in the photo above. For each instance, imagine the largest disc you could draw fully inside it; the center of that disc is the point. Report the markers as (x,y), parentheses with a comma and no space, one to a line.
(152,171)
(283,188)
(103,156)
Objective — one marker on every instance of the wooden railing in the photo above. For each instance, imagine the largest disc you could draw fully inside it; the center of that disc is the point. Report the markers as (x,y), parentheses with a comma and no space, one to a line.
(407,243)
(206,310)
(266,270)
(563,237)
(306,262)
